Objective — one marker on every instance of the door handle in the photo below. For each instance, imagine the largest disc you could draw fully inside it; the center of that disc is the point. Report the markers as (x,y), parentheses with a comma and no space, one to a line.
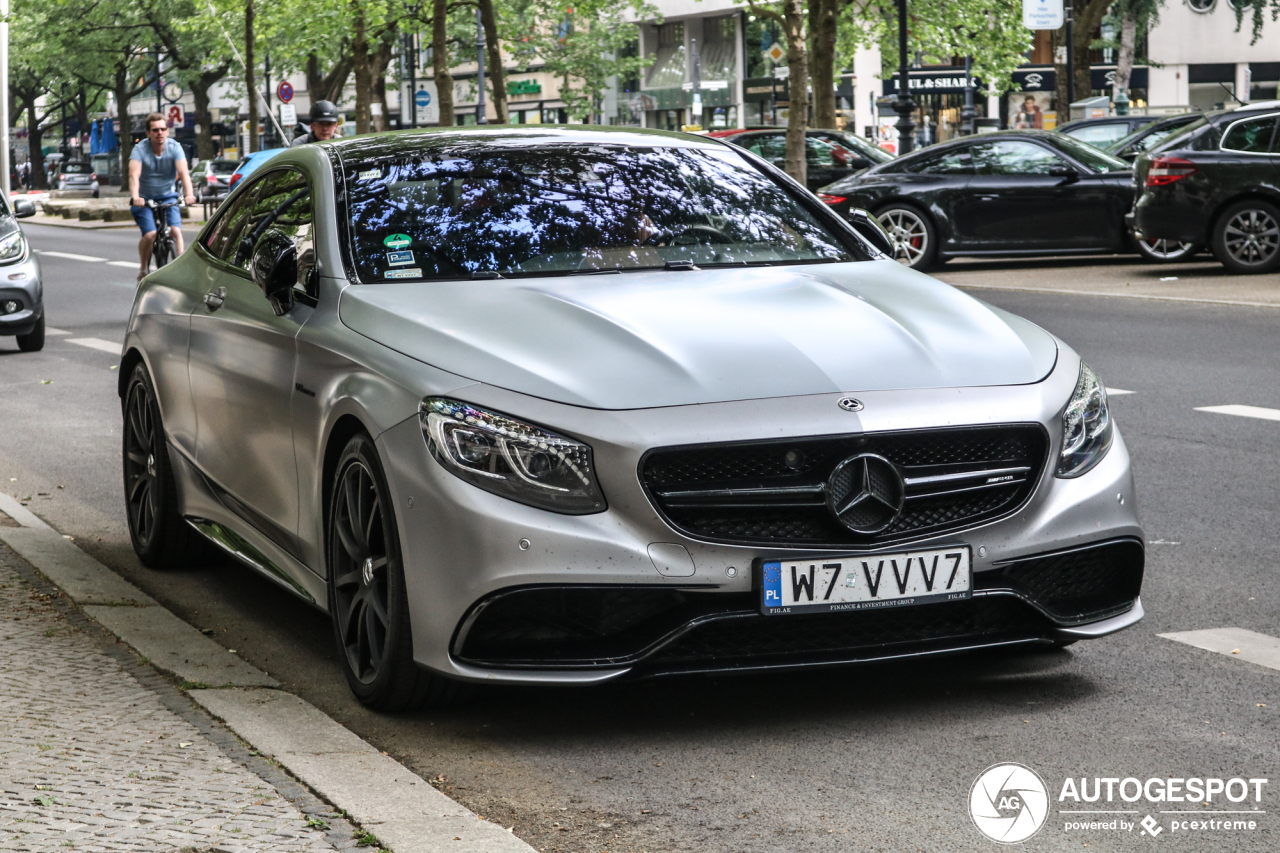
(214,298)
(989,197)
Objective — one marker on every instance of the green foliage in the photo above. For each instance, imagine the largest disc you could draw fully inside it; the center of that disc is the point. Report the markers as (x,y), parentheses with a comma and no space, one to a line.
(1257,10)
(990,31)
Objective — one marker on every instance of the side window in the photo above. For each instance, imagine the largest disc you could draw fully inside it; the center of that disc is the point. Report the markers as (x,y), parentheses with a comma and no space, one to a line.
(1252,136)
(772,147)
(225,236)
(1100,135)
(1012,157)
(953,162)
(283,203)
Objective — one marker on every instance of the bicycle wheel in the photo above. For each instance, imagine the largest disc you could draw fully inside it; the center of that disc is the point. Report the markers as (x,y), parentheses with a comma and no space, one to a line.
(162,252)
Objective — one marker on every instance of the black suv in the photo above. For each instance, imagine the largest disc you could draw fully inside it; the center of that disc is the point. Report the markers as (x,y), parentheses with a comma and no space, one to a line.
(1216,183)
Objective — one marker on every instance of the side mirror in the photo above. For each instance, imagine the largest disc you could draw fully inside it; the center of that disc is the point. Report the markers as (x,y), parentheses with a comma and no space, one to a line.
(1068,172)
(859,163)
(23,207)
(869,227)
(274,268)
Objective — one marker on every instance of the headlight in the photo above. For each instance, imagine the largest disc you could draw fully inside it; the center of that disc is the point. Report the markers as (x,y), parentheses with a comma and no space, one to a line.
(13,248)
(1086,426)
(510,458)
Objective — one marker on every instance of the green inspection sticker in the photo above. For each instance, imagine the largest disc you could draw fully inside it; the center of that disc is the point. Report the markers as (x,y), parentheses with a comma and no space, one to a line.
(397,241)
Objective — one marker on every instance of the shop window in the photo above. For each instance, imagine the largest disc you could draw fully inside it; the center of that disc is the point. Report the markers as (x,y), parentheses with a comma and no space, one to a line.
(667,69)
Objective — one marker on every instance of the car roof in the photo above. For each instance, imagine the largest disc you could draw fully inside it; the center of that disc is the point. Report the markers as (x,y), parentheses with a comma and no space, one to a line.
(404,142)
(1248,111)
(1129,119)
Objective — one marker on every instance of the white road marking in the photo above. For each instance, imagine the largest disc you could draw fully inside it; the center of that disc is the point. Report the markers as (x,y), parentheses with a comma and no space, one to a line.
(1117,392)
(1250,646)
(69,256)
(1243,411)
(129,264)
(50,330)
(96,343)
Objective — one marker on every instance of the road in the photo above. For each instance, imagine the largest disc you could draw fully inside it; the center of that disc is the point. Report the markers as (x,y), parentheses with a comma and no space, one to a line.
(874,758)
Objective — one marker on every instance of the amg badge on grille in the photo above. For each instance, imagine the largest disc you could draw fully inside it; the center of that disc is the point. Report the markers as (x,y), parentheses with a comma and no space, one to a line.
(865,493)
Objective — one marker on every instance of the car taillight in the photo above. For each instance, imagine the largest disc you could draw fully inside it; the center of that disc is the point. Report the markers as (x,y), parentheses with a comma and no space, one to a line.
(93,176)
(1166,170)
(212,179)
(234,178)
(832,199)
(62,177)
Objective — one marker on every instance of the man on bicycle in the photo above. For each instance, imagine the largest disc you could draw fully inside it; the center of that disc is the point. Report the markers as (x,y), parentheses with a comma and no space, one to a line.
(155,165)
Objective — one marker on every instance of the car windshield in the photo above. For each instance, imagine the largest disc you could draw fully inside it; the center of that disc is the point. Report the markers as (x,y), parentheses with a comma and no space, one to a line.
(1142,143)
(1182,136)
(1095,158)
(874,153)
(223,167)
(557,209)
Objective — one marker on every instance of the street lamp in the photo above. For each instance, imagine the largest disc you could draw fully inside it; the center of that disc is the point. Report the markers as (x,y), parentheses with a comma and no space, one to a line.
(904,106)
(967,112)
(481,118)
(411,52)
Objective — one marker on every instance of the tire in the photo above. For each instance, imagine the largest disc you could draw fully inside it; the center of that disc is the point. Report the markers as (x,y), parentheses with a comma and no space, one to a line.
(33,341)
(162,252)
(160,536)
(1166,251)
(1246,237)
(913,234)
(367,595)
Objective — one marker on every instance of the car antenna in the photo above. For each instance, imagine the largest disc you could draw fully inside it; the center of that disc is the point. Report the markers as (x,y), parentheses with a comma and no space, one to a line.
(1232,93)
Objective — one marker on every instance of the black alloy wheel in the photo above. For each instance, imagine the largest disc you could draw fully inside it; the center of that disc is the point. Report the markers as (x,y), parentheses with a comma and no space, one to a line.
(160,536)
(367,595)
(1166,251)
(1246,237)
(33,341)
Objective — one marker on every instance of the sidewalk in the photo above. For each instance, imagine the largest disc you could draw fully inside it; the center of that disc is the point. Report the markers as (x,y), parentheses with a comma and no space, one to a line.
(123,728)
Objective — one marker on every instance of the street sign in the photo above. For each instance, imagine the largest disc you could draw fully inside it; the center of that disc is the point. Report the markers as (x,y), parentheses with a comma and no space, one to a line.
(422,98)
(172,92)
(776,53)
(1042,14)
(175,116)
(285,91)
(288,117)
(423,101)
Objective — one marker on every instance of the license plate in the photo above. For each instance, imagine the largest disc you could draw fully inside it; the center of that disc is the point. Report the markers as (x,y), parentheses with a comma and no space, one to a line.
(861,583)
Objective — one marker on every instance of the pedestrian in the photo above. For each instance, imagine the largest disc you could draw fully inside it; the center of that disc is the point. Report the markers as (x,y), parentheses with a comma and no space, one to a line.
(155,165)
(324,124)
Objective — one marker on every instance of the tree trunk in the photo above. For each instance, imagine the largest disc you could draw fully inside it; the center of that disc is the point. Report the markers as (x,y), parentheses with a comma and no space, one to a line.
(1128,43)
(381,59)
(798,88)
(1089,15)
(822,57)
(250,81)
(328,87)
(35,138)
(495,72)
(124,138)
(82,116)
(440,61)
(204,119)
(363,67)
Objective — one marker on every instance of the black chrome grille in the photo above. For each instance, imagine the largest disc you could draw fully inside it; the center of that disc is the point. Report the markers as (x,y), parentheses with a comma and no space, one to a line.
(774,492)
(1079,585)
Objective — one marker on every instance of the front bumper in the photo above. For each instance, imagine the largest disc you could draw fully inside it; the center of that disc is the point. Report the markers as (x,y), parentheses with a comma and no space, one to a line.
(468,552)
(21,283)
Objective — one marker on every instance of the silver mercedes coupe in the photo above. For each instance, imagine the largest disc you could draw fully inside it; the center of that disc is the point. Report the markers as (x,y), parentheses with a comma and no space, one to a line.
(570,405)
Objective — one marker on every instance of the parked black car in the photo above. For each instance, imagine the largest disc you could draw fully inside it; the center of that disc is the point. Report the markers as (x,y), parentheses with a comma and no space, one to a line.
(1105,130)
(1149,136)
(830,154)
(1023,192)
(1217,183)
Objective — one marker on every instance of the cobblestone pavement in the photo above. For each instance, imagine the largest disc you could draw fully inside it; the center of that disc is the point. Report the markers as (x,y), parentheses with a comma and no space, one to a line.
(93,760)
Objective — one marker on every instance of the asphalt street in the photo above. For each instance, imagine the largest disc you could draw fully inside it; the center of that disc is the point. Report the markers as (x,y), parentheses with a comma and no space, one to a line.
(873,758)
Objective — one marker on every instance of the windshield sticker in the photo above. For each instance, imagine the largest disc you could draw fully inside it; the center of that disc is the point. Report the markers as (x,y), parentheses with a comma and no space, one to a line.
(399,259)
(397,241)
(413,273)
(370,175)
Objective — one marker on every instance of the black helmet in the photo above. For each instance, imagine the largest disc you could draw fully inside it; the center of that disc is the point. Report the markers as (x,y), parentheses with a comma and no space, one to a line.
(324,111)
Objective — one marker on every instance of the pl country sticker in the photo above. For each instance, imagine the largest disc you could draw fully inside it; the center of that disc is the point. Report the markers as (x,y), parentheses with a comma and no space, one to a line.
(413,273)
(370,175)
(399,259)
(397,241)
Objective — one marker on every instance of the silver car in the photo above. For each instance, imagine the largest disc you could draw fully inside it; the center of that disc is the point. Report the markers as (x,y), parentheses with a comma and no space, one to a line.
(573,405)
(76,176)
(21,288)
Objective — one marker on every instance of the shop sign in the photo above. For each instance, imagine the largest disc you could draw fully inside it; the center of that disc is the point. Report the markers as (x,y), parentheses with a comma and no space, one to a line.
(524,87)
(1045,80)
(945,81)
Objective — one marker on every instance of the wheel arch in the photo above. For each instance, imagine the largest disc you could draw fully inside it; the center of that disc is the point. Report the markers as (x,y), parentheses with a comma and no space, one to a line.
(344,429)
(132,358)
(1222,207)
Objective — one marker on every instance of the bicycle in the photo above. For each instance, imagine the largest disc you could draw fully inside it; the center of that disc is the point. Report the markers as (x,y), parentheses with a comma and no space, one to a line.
(163,250)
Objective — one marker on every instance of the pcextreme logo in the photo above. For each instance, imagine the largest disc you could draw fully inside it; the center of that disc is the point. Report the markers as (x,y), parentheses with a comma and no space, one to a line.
(1009,803)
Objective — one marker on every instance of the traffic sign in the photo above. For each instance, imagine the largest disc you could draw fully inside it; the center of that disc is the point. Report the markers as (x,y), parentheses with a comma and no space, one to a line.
(175,116)
(1042,14)
(285,91)
(172,92)
(422,99)
(776,53)
(288,117)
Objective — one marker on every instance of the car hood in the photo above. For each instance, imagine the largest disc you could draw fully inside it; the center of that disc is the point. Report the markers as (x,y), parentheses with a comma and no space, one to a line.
(670,338)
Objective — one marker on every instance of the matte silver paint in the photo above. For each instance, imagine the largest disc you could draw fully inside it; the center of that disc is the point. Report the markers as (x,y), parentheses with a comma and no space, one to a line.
(623,362)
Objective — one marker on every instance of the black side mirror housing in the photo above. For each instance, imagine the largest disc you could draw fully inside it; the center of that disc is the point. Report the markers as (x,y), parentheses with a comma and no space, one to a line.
(23,207)
(274,268)
(869,227)
(1068,172)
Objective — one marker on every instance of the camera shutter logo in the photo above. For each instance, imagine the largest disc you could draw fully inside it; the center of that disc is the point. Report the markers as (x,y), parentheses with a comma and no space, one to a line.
(1009,803)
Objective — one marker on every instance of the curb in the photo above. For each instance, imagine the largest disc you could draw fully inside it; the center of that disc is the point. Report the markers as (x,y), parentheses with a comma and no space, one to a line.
(1195,300)
(404,811)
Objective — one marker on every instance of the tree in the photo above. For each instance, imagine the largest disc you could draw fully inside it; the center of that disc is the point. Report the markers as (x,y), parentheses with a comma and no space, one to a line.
(1257,14)
(791,17)
(1132,20)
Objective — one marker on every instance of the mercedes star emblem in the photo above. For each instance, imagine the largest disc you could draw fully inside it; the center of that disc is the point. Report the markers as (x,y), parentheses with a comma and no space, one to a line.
(865,493)
(850,404)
